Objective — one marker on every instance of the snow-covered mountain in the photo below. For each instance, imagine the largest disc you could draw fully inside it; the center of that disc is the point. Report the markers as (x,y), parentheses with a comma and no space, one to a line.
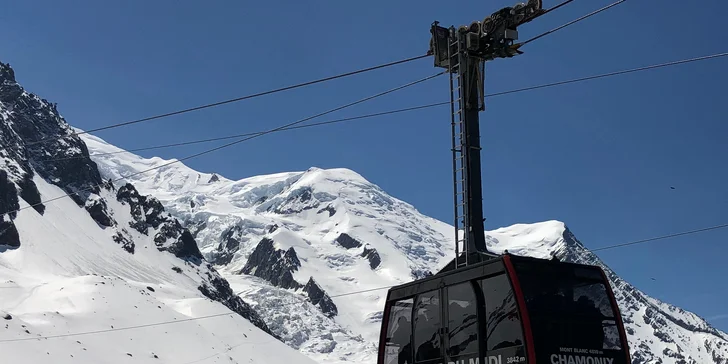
(292,241)
(105,275)
(270,235)
(294,246)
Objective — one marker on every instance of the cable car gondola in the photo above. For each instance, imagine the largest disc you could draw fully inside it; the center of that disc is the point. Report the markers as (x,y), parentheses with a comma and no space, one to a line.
(508,309)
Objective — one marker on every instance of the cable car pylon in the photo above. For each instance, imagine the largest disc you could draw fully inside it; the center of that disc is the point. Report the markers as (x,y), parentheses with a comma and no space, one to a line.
(487,308)
(463,52)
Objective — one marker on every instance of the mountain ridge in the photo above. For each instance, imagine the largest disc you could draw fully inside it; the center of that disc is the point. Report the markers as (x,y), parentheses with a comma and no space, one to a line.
(106,257)
(658,332)
(318,233)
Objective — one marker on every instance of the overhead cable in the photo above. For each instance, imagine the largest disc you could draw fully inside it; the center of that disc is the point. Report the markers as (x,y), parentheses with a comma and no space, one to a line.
(556,7)
(518,90)
(673,63)
(723,226)
(571,22)
(232,143)
(116,329)
(233,100)
(336,121)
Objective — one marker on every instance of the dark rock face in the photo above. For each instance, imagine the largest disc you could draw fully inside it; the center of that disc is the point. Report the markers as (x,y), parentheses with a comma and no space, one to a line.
(330,209)
(8,196)
(38,142)
(126,244)
(58,161)
(9,233)
(172,237)
(277,266)
(29,192)
(347,241)
(99,212)
(8,202)
(148,212)
(218,289)
(228,246)
(298,201)
(373,256)
(214,178)
(143,209)
(319,298)
(273,265)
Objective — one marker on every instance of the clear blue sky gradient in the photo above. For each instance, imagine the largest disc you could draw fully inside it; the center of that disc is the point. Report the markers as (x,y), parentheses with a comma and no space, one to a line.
(600,155)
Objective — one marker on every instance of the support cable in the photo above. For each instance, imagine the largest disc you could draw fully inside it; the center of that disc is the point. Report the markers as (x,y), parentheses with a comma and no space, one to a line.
(231,100)
(198,141)
(603,75)
(90,188)
(555,7)
(576,80)
(570,23)
(716,227)
(118,328)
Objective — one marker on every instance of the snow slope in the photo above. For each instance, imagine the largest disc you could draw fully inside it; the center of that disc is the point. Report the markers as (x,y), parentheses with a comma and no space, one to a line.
(307,211)
(105,275)
(309,252)
(284,228)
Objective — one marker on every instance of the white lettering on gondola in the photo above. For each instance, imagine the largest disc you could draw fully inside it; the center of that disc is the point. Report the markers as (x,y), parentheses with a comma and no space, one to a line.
(579,359)
(491,359)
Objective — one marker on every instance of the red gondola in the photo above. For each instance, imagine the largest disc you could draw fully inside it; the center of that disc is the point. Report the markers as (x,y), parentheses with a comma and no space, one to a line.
(509,309)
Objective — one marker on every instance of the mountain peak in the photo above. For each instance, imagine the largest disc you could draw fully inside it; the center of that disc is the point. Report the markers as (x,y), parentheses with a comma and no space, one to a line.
(7,74)
(310,250)
(540,239)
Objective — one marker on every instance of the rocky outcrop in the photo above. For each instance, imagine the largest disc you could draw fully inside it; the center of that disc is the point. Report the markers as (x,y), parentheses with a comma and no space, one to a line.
(274,265)
(121,238)
(372,255)
(172,237)
(319,298)
(29,192)
(98,210)
(218,289)
(39,139)
(277,267)
(330,209)
(148,212)
(346,241)
(9,235)
(228,246)
(298,201)
(8,204)
(38,143)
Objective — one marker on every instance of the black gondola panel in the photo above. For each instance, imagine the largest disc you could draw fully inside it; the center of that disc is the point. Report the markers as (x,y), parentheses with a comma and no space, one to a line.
(572,314)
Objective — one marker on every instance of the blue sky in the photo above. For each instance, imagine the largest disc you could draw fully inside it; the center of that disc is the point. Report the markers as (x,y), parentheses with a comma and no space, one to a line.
(600,155)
